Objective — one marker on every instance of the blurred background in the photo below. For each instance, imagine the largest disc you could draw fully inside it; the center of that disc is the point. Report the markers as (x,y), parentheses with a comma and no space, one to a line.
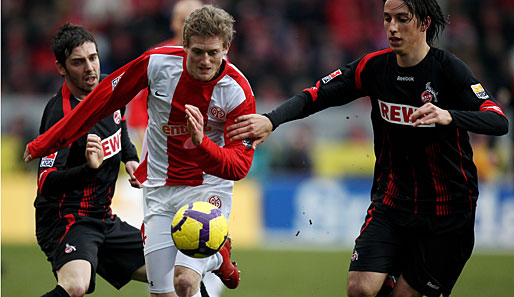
(309,184)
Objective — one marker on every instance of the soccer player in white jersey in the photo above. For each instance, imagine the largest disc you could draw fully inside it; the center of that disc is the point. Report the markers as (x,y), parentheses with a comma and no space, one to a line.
(193,95)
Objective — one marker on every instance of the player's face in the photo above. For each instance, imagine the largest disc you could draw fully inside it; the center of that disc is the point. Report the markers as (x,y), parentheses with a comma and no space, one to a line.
(402,28)
(204,57)
(82,69)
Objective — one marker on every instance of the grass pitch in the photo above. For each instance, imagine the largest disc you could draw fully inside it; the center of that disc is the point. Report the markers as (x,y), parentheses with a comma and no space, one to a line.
(25,272)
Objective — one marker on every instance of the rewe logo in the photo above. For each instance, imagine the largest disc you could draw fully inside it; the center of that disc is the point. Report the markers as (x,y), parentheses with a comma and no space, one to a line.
(112,145)
(398,113)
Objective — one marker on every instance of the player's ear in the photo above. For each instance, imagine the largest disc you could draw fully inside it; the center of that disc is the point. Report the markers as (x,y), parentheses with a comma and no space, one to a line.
(425,24)
(60,68)
(227,48)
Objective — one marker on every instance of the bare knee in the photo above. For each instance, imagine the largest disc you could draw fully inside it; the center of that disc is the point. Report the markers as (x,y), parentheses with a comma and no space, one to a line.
(364,284)
(75,277)
(356,289)
(75,289)
(186,281)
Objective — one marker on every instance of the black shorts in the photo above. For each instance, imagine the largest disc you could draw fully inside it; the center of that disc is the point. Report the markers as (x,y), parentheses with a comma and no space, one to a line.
(429,251)
(113,247)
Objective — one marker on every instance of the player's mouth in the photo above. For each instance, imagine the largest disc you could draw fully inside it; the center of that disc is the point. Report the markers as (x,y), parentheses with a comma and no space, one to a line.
(395,41)
(204,69)
(90,79)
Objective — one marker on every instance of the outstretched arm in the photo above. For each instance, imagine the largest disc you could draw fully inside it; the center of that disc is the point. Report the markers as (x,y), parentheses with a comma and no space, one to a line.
(255,126)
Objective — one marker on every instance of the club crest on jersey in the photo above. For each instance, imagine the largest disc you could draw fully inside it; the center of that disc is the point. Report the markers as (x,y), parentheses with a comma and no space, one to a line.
(49,160)
(69,248)
(429,95)
(215,200)
(479,91)
(117,117)
(331,76)
(217,112)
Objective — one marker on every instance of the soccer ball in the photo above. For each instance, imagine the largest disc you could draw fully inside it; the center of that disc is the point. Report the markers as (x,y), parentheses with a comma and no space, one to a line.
(199,229)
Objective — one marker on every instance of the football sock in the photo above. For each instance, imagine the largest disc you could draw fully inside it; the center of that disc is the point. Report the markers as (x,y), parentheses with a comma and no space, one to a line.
(57,292)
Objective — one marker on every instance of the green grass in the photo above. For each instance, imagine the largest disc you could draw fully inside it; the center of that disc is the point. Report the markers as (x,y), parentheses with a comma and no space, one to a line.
(25,272)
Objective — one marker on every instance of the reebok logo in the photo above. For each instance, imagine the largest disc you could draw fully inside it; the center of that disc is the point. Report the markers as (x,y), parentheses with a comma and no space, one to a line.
(405,78)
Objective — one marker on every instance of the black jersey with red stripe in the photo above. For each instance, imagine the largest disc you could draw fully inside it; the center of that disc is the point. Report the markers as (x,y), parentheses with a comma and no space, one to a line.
(425,169)
(66,184)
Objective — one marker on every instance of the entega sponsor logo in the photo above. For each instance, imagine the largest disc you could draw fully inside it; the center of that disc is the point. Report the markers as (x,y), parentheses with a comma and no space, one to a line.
(174,130)
(398,113)
(177,130)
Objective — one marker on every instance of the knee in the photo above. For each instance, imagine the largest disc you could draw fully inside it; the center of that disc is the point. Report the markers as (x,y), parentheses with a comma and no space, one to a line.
(75,290)
(184,285)
(75,287)
(358,289)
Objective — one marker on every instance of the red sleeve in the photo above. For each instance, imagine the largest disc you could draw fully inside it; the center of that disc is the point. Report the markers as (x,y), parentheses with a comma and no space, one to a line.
(232,161)
(113,92)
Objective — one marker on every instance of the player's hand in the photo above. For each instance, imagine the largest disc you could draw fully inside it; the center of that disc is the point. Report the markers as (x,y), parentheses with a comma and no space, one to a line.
(94,151)
(194,124)
(430,114)
(131,167)
(27,157)
(255,126)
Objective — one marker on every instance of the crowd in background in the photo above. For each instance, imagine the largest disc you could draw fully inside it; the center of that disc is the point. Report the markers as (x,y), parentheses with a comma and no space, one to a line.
(282,46)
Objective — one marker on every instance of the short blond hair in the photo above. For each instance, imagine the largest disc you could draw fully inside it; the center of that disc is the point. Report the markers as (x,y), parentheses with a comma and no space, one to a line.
(209,21)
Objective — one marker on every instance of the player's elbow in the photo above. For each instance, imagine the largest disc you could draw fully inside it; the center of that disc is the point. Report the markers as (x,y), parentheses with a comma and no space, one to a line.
(504,127)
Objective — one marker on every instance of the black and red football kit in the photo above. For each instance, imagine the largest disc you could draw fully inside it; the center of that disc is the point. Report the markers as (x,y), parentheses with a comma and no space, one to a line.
(74,219)
(424,174)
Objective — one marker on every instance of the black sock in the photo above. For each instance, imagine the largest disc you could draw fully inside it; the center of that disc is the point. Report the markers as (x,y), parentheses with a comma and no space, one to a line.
(57,292)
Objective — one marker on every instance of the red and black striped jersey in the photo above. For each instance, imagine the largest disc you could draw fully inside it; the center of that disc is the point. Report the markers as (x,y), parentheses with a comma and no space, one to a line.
(426,169)
(65,181)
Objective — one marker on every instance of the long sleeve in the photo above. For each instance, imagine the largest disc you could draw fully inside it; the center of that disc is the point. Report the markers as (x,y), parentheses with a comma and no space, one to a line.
(234,159)
(114,92)
(477,110)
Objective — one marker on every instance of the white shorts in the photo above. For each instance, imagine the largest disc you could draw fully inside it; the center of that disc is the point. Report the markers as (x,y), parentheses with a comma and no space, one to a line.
(160,205)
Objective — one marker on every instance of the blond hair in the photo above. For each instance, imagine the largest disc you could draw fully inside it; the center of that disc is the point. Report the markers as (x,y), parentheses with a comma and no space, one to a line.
(209,21)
